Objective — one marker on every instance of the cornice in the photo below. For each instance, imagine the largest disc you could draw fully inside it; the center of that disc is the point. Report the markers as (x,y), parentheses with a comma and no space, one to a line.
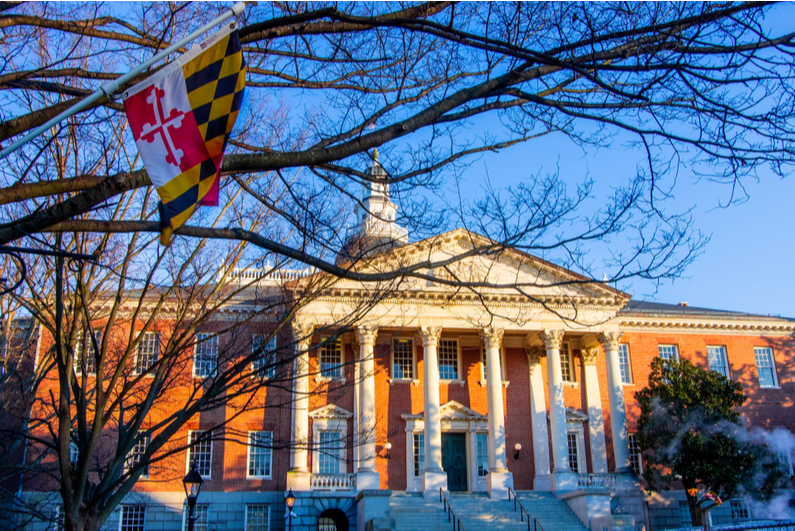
(722,326)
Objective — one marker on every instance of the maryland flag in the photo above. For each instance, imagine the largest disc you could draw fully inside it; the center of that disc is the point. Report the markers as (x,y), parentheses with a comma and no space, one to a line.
(181,119)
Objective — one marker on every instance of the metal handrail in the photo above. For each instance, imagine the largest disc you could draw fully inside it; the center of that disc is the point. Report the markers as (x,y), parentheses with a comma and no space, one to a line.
(523,512)
(448,510)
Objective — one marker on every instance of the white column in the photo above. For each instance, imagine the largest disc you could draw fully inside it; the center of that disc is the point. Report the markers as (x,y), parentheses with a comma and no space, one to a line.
(298,477)
(593,399)
(618,412)
(367,476)
(564,479)
(499,480)
(434,477)
(538,417)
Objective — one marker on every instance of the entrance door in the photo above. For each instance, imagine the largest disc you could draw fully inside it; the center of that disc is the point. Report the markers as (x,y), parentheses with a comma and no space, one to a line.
(454,460)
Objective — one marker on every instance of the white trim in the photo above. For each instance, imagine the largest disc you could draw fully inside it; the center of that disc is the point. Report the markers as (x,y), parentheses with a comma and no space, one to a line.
(725,353)
(211,340)
(189,454)
(578,432)
(121,512)
(185,510)
(773,366)
(629,362)
(567,351)
(248,456)
(675,347)
(138,350)
(330,424)
(267,346)
(320,377)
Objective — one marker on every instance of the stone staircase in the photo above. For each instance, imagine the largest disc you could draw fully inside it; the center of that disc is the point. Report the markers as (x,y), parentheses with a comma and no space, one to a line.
(411,512)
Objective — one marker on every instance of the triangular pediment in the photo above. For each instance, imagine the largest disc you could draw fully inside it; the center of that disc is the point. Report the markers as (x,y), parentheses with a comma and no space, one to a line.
(575,415)
(452,410)
(330,411)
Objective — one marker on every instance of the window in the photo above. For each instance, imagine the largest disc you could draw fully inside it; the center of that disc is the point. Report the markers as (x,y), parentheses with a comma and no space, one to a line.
(331,359)
(60,518)
(258,517)
(483,454)
(718,360)
(201,452)
(259,453)
(574,455)
(448,359)
(668,352)
(264,365)
(132,518)
(148,350)
(205,358)
(86,354)
(74,450)
(766,366)
(136,454)
(635,459)
(566,363)
(403,359)
(419,454)
(624,364)
(200,515)
(739,511)
(329,454)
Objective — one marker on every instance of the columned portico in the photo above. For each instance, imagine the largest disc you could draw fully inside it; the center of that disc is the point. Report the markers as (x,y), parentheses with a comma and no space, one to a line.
(366,475)
(433,477)
(299,477)
(564,479)
(596,427)
(499,480)
(538,416)
(618,412)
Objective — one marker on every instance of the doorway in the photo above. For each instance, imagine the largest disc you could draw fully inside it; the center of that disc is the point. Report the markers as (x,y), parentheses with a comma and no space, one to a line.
(454,460)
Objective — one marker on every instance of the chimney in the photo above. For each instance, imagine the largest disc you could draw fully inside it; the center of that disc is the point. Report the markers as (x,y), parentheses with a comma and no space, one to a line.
(684,304)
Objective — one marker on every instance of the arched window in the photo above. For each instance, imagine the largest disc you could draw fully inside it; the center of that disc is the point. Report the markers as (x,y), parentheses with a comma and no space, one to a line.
(332,520)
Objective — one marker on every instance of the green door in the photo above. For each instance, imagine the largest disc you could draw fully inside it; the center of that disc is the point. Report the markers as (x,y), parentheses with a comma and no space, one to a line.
(454,460)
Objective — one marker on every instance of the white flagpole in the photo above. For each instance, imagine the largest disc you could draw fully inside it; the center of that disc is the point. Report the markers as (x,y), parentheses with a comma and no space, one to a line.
(112,86)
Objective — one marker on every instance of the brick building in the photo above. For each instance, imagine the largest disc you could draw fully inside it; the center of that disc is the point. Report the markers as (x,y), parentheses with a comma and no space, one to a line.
(528,390)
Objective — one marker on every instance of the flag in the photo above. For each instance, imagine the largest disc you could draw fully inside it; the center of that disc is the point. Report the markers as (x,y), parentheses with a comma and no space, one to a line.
(181,119)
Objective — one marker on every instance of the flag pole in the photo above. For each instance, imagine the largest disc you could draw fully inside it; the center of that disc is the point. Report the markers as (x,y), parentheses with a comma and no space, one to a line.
(112,86)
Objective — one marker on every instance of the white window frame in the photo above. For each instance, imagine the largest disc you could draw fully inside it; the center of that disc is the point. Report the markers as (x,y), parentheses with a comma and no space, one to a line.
(414,376)
(772,360)
(674,346)
(478,435)
(199,508)
(628,364)
(418,452)
(326,376)
(209,341)
(725,355)
(189,460)
(136,370)
(131,505)
(579,447)
(134,457)
(60,518)
(81,347)
(269,452)
(330,424)
(483,364)
(632,442)
(269,348)
(246,516)
(458,378)
(735,507)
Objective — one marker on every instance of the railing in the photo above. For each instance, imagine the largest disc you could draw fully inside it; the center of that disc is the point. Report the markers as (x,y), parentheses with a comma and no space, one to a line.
(333,482)
(269,274)
(522,511)
(595,481)
(451,517)
(787,525)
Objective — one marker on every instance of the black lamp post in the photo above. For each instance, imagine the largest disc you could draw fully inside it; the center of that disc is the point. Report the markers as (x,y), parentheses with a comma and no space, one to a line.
(290,501)
(193,486)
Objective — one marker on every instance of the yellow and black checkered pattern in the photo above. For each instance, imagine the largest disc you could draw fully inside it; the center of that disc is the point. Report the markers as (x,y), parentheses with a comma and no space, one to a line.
(215,81)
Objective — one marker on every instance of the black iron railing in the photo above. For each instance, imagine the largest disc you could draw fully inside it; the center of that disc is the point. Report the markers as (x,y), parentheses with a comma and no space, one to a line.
(451,517)
(517,506)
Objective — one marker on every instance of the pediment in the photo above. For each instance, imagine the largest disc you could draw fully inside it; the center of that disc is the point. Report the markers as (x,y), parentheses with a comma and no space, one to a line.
(461,256)
(575,415)
(330,411)
(451,410)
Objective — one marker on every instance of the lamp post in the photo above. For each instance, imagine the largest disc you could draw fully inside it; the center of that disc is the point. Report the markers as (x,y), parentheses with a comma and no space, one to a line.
(290,501)
(193,486)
